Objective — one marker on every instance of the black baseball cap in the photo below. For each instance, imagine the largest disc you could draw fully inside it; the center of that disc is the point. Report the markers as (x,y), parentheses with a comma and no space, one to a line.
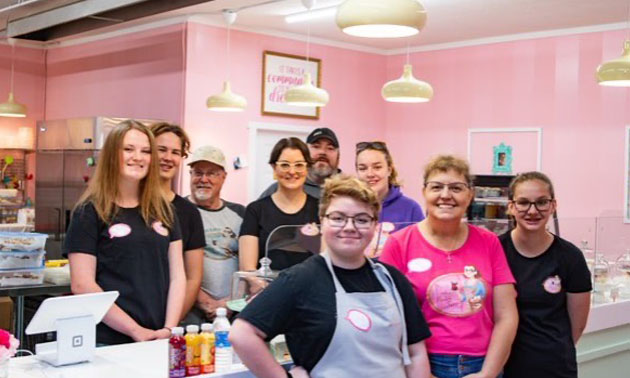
(322,132)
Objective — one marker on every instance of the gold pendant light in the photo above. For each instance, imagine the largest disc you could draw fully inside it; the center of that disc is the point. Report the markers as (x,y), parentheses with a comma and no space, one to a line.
(407,88)
(380,18)
(616,72)
(227,101)
(306,94)
(12,108)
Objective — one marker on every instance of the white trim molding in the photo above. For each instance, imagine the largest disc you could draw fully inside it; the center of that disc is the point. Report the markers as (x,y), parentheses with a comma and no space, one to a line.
(537,130)
(626,191)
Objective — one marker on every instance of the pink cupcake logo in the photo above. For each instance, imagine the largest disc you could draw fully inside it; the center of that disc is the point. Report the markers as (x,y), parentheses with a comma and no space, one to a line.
(553,285)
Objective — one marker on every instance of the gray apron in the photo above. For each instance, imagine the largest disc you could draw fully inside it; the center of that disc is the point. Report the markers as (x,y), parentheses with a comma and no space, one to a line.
(370,338)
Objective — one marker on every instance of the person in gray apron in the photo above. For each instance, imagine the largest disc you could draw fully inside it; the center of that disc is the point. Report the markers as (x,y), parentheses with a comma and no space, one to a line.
(335,324)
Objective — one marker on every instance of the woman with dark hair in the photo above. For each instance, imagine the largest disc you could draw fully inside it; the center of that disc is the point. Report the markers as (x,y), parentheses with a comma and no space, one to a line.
(125,236)
(553,284)
(289,205)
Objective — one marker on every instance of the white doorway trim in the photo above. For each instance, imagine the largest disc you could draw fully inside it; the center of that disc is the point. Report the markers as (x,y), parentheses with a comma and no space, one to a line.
(254,127)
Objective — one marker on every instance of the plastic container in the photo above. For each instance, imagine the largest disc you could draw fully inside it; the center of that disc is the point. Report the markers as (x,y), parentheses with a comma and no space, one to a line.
(21,260)
(207,348)
(223,349)
(22,241)
(21,277)
(193,350)
(177,354)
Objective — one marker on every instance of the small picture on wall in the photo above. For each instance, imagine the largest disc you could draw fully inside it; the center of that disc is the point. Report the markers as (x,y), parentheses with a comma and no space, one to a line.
(281,72)
(502,159)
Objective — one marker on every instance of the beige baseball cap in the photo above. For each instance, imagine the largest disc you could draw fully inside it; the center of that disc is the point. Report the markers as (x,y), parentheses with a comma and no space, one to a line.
(210,154)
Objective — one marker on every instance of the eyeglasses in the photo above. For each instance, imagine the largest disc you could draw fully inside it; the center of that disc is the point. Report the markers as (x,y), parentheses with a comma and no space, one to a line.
(522,205)
(360,221)
(211,174)
(285,166)
(362,146)
(453,187)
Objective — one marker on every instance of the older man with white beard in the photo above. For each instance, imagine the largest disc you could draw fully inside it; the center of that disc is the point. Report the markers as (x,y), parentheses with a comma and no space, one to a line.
(324,149)
(222,223)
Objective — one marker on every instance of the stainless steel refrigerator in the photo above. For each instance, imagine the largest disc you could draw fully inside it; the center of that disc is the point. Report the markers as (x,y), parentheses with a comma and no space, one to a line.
(67,154)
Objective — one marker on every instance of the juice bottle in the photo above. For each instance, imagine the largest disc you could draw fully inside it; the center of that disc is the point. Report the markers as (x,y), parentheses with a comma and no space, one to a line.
(192,350)
(207,348)
(177,354)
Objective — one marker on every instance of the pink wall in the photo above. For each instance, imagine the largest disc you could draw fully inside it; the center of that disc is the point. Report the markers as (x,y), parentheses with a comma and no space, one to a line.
(353,80)
(548,83)
(136,75)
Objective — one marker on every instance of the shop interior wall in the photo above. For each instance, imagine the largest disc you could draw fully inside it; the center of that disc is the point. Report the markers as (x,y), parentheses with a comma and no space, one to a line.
(29,84)
(546,83)
(352,78)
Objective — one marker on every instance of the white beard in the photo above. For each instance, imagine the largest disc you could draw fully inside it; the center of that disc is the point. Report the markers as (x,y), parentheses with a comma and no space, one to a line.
(202,194)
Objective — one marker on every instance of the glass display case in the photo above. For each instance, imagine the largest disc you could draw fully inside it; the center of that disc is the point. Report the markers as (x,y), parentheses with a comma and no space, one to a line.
(489,206)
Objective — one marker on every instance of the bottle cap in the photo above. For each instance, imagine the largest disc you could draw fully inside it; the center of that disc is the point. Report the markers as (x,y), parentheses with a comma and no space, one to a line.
(177,331)
(192,328)
(221,311)
(206,327)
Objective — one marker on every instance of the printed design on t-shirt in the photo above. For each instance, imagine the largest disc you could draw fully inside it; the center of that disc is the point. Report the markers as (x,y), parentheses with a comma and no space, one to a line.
(119,230)
(221,243)
(553,285)
(359,320)
(419,265)
(310,229)
(457,294)
(159,228)
(375,248)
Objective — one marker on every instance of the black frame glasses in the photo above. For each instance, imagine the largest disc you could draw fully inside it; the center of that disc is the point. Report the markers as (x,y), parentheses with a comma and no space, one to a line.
(341,223)
(541,204)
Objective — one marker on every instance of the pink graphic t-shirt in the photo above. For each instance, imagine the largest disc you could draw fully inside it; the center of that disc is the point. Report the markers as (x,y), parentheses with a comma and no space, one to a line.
(454,288)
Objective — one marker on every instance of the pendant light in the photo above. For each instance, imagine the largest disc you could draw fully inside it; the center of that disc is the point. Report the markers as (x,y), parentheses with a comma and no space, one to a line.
(616,72)
(12,108)
(407,88)
(227,101)
(307,94)
(381,19)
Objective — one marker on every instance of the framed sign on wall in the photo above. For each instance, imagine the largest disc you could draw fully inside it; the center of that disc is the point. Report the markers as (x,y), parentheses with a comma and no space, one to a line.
(281,72)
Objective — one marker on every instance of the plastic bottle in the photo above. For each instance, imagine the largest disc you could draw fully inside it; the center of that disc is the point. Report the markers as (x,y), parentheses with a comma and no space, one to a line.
(207,348)
(193,350)
(223,350)
(177,353)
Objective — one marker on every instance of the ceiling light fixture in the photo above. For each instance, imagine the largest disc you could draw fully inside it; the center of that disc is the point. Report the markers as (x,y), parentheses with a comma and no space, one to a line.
(407,89)
(12,108)
(311,15)
(381,19)
(616,72)
(307,94)
(227,101)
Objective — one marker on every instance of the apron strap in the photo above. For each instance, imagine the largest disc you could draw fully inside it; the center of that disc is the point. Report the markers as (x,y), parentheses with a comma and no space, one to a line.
(338,287)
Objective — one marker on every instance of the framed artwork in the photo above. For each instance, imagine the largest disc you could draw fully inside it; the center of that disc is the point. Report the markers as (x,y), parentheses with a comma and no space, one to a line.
(626,207)
(502,159)
(281,72)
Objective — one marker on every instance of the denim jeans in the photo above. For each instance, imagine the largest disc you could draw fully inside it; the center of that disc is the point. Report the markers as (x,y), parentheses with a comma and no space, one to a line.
(455,366)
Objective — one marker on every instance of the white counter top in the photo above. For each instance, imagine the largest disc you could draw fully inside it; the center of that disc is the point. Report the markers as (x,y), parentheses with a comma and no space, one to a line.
(139,360)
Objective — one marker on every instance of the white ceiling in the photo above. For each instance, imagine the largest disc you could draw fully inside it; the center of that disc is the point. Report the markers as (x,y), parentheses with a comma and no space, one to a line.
(448,21)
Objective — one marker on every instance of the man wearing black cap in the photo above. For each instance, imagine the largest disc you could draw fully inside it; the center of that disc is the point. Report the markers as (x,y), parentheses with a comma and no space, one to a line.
(324,149)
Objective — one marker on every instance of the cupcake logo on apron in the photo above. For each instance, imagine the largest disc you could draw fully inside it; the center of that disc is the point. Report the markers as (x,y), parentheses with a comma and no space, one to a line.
(359,320)
(159,228)
(553,285)
(457,294)
(119,230)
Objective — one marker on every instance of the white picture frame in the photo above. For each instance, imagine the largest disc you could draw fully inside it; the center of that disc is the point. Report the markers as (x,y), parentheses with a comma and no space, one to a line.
(626,196)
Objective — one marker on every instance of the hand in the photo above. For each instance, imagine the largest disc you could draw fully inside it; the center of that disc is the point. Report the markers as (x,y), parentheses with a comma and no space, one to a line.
(143,334)
(476,375)
(210,305)
(299,372)
(163,333)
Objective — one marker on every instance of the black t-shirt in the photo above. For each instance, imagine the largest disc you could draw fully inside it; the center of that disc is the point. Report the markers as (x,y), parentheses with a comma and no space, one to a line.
(131,258)
(544,346)
(301,304)
(263,216)
(193,236)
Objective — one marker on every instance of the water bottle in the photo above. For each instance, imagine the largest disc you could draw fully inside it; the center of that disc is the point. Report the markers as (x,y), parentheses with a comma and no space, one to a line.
(223,348)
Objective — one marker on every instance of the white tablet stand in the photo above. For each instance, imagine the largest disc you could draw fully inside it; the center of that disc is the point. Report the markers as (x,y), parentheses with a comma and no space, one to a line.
(74,318)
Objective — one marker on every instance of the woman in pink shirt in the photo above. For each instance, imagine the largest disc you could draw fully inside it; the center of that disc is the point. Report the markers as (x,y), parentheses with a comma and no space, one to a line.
(460,275)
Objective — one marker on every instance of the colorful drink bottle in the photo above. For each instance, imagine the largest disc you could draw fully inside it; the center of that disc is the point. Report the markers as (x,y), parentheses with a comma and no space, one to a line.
(207,348)
(192,350)
(177,354)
